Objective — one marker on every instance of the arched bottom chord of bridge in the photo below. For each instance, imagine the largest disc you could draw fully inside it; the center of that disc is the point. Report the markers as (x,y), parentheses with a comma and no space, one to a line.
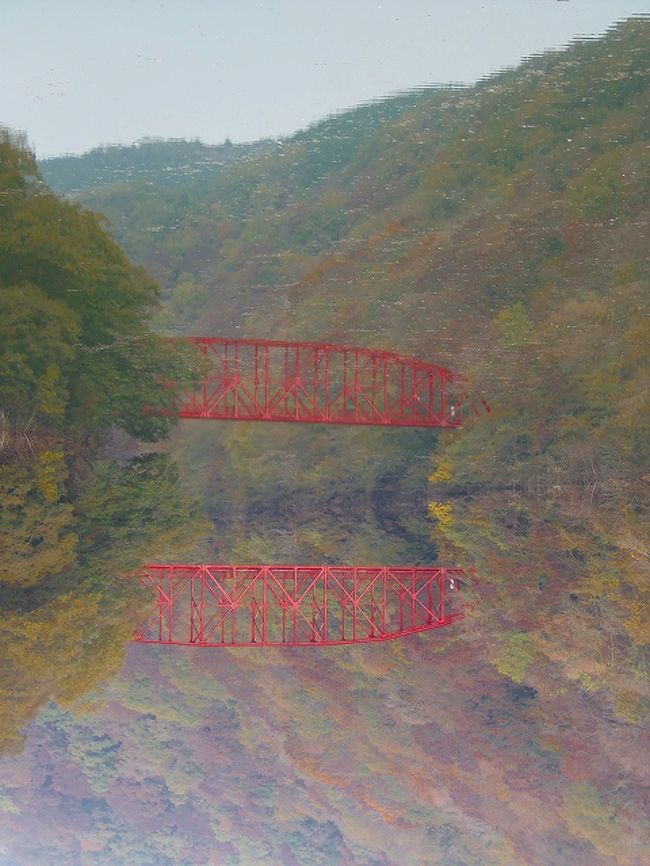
(294,605)
(321,383)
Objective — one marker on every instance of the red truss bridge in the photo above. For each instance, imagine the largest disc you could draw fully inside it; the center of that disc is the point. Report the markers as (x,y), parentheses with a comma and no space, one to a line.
(321,383)
(295,605)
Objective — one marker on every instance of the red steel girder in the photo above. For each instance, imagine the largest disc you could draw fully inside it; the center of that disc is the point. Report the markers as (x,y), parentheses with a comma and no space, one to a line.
(295,605)
(321,383)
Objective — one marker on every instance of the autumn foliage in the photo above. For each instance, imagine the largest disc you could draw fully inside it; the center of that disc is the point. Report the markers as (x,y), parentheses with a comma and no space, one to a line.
(500,230)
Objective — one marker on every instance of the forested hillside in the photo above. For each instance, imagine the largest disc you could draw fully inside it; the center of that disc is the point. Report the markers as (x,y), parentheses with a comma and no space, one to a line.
(150,161)
(501,230)
(76,360)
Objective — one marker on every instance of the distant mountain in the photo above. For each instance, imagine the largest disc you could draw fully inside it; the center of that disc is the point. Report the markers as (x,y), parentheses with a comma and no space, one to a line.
(158,161)
(173,162)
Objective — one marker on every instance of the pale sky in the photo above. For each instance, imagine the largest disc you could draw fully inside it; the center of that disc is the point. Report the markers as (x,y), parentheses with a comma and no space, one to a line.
(79,73)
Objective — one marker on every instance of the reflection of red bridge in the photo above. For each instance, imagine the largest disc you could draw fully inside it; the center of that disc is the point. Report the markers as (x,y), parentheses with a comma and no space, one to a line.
(268,380)
(292,605)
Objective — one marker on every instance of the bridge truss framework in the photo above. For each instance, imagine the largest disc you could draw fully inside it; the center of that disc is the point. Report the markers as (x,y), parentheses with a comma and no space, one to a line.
(271,380)
(293,605)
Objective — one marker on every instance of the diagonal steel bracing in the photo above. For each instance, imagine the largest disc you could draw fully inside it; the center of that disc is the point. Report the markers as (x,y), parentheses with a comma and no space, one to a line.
(322,383)
(294,605)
